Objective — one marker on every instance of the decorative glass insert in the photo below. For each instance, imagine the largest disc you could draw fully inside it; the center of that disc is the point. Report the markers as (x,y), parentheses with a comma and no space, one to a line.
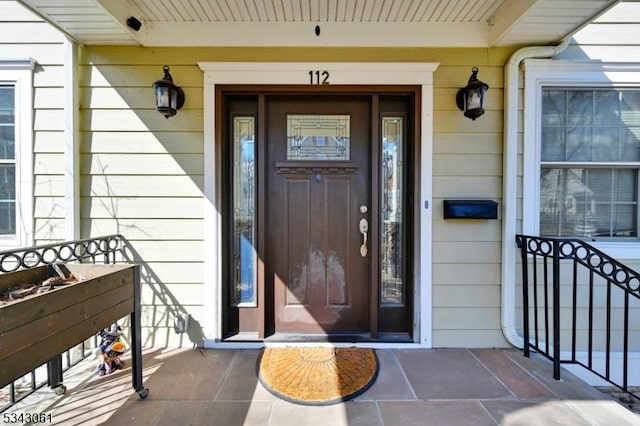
(7,161)
(392,254)
(244,213)
(318,137)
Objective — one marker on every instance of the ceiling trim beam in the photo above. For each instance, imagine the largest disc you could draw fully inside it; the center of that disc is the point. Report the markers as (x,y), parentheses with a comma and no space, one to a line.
(332,34)
(507,17)
(48,19)
(120,11)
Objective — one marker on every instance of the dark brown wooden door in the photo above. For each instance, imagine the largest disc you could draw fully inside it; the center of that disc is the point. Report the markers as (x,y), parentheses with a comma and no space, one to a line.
(318,186)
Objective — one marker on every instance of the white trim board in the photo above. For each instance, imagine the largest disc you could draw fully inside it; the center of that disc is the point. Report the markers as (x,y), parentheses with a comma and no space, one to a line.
(298,73)
(19,72)
(616,367)
(335,34)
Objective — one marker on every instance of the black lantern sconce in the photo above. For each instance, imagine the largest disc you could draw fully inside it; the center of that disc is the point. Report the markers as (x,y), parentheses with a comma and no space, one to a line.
(470,99)
(169,97)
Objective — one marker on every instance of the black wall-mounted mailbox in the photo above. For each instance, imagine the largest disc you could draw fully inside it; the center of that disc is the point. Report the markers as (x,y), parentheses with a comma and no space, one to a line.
(470,209)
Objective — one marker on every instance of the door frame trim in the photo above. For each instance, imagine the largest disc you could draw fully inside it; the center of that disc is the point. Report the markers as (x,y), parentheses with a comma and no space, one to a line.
(298,73)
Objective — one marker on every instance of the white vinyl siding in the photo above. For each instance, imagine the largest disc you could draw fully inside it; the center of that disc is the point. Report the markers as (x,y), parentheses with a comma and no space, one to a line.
(142,177)
(599,61)
(467,163)
(612,37)
(26,39)
(588,186)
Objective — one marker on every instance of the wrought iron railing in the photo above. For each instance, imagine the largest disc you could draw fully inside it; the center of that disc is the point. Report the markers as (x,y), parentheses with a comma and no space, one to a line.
(577,307)
(107,249)
(100,249)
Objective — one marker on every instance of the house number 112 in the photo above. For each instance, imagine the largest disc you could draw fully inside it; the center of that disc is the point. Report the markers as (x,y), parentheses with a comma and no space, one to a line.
(318,77)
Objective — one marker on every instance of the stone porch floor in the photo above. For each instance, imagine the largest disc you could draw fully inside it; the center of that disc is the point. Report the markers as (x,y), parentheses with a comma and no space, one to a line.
(414,387)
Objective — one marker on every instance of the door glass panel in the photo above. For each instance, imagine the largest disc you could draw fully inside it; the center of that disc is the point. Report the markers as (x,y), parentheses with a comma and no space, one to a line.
(392,241)
(318,137)
(244,213)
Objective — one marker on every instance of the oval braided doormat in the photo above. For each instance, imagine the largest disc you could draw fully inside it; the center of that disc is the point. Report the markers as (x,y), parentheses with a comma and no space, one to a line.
(317,375)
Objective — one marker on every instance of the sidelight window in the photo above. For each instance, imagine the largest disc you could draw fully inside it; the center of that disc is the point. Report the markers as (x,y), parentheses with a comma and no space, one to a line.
(393,228)
(244,212)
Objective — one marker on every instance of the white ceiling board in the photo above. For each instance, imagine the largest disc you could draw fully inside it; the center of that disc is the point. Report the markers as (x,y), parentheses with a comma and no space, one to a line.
(427,23)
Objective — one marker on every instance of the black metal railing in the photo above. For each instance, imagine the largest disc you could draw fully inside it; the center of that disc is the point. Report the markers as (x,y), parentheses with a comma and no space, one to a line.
(107,249)
(577,307)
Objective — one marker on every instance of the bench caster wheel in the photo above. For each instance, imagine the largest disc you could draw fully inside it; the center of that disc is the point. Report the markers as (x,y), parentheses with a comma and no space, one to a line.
(60,390)
(143,393)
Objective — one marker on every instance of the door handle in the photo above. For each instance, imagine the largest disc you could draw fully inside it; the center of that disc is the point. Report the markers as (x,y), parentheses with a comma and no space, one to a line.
(364,229)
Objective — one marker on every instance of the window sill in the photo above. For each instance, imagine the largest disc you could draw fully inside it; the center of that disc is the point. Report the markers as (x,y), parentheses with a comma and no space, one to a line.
(628,250)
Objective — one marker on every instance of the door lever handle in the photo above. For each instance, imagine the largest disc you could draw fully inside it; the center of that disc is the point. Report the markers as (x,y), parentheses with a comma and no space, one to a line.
(364,229)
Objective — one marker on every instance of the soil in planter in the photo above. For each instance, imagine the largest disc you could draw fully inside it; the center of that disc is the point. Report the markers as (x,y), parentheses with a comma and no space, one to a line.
(25,290)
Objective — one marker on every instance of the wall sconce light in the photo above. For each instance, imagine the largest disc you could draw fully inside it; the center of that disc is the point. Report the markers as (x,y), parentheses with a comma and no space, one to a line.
(169,97)
(470,99)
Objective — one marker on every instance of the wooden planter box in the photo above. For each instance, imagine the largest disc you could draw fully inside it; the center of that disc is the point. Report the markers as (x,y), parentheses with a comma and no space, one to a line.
(38,328)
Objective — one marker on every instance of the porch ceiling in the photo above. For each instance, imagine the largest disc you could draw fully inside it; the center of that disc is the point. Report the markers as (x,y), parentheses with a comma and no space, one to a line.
(411,23)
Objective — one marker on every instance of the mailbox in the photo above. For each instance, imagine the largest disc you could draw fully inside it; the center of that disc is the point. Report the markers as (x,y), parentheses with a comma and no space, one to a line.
(470,209)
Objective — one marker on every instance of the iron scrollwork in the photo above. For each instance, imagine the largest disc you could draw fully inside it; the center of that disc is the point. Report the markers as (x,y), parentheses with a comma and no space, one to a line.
(92,249)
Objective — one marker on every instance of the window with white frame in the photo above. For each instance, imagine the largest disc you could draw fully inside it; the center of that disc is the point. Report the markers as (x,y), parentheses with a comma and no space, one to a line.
(590,155)
(7,159)
(582,152)
(16,130)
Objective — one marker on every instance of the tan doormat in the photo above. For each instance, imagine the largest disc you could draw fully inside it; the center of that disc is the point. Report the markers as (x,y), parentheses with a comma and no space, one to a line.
(317,375)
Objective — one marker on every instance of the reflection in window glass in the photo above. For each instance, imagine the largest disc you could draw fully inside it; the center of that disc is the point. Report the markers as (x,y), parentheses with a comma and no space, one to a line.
(318,137)
(588,202)
(244,213)
(392,241)
(590,156)
(7,161)
(590,125)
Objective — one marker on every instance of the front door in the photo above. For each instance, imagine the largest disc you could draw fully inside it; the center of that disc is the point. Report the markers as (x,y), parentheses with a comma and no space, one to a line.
(318,197)
(318,189)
